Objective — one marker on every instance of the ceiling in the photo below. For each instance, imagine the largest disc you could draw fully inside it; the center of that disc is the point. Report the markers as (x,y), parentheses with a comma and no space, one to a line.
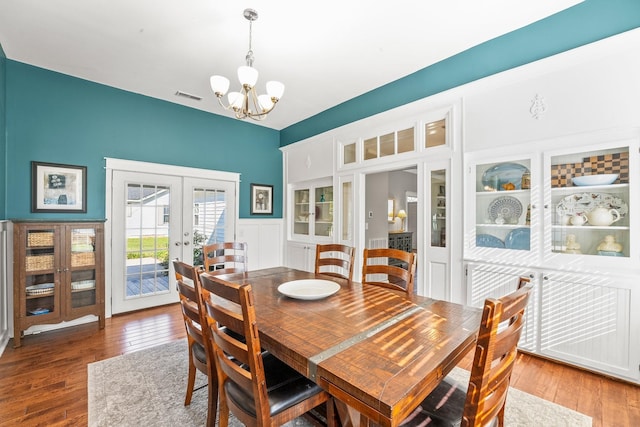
(325,53)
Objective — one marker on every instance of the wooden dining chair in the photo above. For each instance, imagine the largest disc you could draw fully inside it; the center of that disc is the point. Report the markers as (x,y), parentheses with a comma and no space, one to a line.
(389,268)
(255,386)
(483,400)
(335,260)
(225,257)
(200,349)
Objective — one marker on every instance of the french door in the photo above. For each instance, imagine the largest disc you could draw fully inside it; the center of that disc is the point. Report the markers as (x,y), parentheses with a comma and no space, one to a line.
(157,218)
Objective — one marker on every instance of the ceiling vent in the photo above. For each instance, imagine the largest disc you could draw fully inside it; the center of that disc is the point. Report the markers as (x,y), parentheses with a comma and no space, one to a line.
(188,95)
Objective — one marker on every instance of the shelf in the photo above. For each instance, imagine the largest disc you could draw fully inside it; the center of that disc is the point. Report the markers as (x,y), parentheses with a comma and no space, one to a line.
(590,189)
(591,227)
(504,226)
(501,193)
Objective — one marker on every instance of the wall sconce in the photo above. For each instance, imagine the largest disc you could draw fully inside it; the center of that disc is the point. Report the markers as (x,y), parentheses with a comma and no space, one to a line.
(402,215)
(391,210)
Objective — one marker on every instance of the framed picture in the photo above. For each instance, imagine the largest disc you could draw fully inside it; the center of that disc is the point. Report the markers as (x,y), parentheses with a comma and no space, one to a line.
(58,188)
(261,199)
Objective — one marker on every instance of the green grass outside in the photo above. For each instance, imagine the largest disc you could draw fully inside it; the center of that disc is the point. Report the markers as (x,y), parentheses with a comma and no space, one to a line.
(149,246)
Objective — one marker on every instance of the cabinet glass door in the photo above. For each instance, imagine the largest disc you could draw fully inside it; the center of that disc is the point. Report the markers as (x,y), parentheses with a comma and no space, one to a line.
(301,212)
(503,206)
(590,203)
(83,267)
(438,208)
(42,284)
(323,211)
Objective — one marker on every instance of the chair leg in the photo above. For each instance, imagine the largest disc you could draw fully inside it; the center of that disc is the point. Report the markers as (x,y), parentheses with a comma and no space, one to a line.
(190,382)
(212,380)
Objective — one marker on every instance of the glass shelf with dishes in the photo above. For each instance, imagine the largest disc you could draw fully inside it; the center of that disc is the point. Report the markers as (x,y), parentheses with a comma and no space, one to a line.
(503,205)
(589,193)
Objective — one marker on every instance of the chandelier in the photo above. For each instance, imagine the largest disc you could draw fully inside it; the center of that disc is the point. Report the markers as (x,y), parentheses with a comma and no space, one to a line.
(247,103)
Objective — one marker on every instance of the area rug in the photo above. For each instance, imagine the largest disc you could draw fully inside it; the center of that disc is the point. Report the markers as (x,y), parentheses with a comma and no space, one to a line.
(147,388)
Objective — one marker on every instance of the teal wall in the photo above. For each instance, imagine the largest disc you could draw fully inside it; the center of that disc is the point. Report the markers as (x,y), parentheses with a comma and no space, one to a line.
(584,23)
(3,141)
(56,118)
(60,119)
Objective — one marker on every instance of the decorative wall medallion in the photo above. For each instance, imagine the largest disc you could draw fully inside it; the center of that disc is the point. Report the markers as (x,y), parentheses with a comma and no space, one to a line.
(308,161)
(538,107)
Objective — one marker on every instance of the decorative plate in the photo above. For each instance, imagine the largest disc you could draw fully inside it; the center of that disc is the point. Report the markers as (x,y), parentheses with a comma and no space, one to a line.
(581,203)
(309,289)
(504,173)
(518,239)
(508,207)
(488,241)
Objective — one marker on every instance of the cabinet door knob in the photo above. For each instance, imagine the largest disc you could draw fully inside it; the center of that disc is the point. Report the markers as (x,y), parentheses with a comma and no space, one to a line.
(186,243)
(178,243)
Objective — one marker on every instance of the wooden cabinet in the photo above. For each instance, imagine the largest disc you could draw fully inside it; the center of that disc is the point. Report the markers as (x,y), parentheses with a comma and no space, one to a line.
(401,240)
(58,270)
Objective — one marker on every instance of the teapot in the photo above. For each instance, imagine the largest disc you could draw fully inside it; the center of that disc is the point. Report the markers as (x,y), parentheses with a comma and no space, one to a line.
(603,216)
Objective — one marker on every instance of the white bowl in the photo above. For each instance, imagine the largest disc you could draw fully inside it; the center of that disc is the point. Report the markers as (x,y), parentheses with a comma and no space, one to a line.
(602,179)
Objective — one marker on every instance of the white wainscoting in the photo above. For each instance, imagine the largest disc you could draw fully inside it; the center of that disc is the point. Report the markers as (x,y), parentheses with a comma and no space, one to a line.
(265,240)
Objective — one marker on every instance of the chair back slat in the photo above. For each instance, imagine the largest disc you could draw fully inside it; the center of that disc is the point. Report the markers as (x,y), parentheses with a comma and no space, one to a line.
(225,257)
(496,349)
(397,277)
(335,260)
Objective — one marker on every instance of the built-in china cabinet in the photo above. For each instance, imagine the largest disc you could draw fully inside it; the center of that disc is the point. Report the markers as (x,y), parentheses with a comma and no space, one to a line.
(562,218)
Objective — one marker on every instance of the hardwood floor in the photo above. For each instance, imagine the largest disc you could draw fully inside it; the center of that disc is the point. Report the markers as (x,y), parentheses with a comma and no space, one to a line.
(44,383)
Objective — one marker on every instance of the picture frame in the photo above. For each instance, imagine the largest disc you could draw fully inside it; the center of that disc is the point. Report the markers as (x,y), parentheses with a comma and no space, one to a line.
(58,188)
(261,199)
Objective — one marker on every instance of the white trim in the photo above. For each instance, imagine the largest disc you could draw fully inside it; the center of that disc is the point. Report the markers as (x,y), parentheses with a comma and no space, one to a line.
(146,167)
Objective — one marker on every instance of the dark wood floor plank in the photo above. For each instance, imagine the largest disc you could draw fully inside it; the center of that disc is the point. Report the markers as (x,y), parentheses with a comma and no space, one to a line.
(44,382)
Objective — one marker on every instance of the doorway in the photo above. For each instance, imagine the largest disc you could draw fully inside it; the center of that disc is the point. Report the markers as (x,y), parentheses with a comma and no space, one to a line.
(157,217)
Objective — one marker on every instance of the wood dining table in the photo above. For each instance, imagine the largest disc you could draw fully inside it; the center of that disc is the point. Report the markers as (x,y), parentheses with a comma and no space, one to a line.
(372,348)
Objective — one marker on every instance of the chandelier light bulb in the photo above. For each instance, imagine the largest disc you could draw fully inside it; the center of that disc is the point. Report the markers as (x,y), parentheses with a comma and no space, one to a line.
(235,100)
(219,85)
(275,89)
(265,102)
(248,76)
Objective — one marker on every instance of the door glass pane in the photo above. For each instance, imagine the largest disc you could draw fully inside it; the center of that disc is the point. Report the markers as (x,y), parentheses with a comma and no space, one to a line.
(83,281)
(590,202)
(387,145)
(435,134)
(40,287)
(370,148)
(438,208)
(405,140)
(324,211)
(349,153)
(347,210)
(301,212)
(209,213)
(147,236)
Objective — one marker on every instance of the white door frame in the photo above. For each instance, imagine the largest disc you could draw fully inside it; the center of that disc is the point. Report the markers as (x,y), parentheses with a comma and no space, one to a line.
(112,164)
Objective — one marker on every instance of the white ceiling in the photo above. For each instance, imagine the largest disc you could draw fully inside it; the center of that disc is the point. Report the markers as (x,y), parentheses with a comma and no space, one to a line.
(324,52)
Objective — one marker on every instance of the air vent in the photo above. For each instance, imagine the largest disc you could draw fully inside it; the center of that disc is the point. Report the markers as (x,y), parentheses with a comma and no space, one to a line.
(188,95)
